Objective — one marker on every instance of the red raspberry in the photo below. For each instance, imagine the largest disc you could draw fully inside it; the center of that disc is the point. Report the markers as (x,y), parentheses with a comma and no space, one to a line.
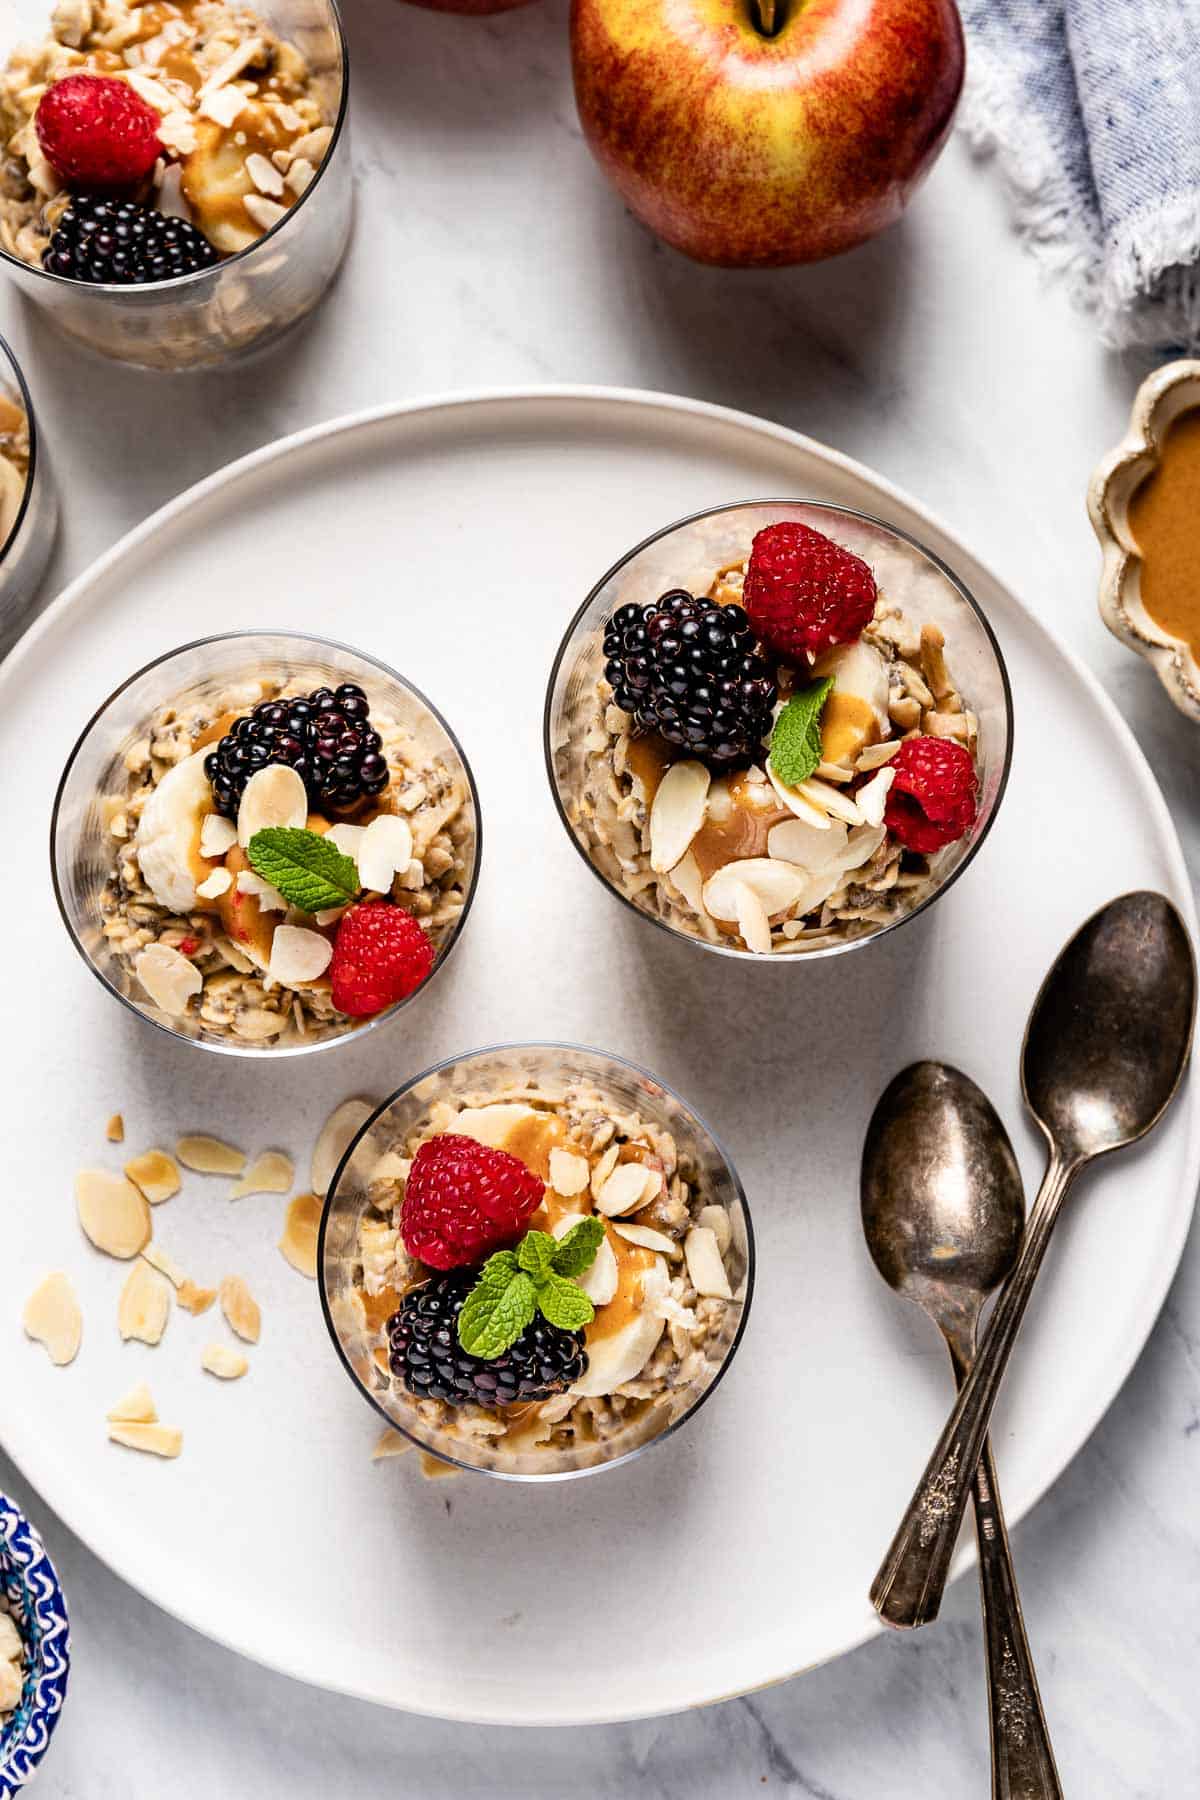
(932,800)
(804,592)
(462,1200)
(380,955)
(97,133)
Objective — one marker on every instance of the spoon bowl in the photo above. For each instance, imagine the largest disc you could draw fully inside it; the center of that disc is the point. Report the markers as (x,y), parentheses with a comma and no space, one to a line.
(1108,1038)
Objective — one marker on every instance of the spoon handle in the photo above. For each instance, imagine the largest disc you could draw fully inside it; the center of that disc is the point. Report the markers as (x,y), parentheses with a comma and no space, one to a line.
(907,1591)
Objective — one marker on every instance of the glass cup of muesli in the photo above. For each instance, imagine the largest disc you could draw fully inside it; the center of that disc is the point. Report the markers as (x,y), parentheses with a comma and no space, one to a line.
(265,842)
(28,504)
(535,1260)
(778,728)
(177,187)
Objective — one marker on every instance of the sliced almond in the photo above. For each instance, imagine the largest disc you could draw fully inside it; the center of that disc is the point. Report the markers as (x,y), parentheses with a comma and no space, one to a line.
(875,755)
(264,175)
(872,796)
(390,1443)
(716,1220)
(298,955)
(269,898)
(863,843)
(265,213)
(270,1173)
(209,1156)
(434,1469)
(601,1280)
(687,878)
(223,105)
(242,1313)
(217,835)
(114,1131)
(384,852)
(752,920)
(705,1265)
(113,1213)
(347,838)
(569,1173)
(299,1241)
(52,1317)
(214,885)
(604,1168)
(340,1127)
(223,1360)
(156,1174)
(137,1408)
(145,1305)
(168,978)
(272,796)
(677,813)
(156,1440)
(158,1259)
(830,800)
(193,1299)
(794,800)
(809,846)
(777,884)
(625,1190)
(647,1239)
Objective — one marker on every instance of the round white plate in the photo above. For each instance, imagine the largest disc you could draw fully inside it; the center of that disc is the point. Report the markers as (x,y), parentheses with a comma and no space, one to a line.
(455,540)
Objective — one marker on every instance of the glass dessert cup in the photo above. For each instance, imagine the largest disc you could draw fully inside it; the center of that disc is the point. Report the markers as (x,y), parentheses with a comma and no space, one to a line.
(28,503)
(84,846)
(543,1073)
(249,299)
(689,555)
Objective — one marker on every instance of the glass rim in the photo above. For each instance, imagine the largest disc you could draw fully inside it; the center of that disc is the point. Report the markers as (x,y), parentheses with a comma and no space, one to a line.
(824,951)
(27,497)
(494,1049)
(279,1051)
(176,284)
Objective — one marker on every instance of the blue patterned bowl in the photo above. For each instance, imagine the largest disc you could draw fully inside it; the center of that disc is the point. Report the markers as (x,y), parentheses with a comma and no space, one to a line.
(31,1589)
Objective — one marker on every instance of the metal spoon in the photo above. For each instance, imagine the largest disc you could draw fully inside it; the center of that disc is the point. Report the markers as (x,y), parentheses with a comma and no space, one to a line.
(1105,1049)
(943,1212)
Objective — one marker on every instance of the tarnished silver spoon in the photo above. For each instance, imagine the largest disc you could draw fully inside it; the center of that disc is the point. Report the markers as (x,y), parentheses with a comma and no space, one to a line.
(943,1211)
(1105,1050)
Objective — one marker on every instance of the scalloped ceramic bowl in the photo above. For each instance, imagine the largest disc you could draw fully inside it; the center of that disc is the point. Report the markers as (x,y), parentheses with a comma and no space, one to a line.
(1162,397)
(34,1596)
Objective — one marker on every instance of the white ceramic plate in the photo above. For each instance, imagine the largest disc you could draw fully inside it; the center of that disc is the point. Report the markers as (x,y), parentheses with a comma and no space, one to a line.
(455,540)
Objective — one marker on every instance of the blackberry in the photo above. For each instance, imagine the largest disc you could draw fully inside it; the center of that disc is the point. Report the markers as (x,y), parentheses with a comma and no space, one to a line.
(326,736)
(695,673)
(424,1351)
(119,241)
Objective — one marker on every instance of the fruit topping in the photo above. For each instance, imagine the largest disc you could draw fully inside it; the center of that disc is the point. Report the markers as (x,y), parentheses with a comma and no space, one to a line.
(123,243)
(325,736)
(463,1199)
(693,672)
(380,955)
(97,132)
(931,802)
(426,1355)
(803,592)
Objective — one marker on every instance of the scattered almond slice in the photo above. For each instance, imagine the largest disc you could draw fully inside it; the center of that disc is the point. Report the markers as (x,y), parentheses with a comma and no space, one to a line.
(223,1361)
(145,1305)
(390,1443)
(208,1155)
(872,796)
(193,1299)
(272,796)
(114,1131)
(796,841)
(434,1469)
(778,886)
(214,885)
(113,1212)
(334,1141)
(569,1173)
(156,1440)
(752,920)
(270,1173)
(687,878)
(604,1169)
(158,1259)
(52,1318)
(155,1174)
(647,1239)
(242,1312)
(299,1240)
(705,1265)
(824,795)
(218,835)
(601,1280)
(298,955)
(625,1189)
(677,813)
(716,1220)
(137,1408)
(875,755)
(796,803)
(347,838)
(384,851)
(168,978)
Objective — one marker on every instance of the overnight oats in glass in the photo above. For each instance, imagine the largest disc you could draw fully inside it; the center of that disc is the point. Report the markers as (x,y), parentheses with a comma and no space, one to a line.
(265,842)
(535,1261)
(778,728)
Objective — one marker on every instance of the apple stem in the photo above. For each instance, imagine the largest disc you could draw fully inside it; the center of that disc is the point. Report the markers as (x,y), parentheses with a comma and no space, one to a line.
(765,10)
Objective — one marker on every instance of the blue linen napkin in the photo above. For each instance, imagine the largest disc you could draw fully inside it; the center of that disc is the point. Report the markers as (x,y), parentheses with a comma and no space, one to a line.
(1092,108)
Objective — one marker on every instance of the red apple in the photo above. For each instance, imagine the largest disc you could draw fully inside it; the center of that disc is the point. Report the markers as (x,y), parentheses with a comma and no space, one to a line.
(755,133)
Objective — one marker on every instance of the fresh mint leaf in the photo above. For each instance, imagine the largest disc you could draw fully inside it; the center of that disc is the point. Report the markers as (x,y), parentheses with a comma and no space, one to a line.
(535,1254)
(796,739)
(564,1304)
(576,1252)
(308,870)
(496,1312)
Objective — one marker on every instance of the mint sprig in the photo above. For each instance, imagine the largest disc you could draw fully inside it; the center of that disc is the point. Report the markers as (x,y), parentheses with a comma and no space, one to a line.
(309,871)
(796,739)
(515,1285)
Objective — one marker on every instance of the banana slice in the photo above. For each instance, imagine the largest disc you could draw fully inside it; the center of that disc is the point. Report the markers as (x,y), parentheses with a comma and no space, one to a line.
(168,834)
(615,1357)
(216,180)
(856,712)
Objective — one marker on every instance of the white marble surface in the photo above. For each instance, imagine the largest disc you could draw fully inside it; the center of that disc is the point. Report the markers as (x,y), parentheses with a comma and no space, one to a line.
(490,252)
